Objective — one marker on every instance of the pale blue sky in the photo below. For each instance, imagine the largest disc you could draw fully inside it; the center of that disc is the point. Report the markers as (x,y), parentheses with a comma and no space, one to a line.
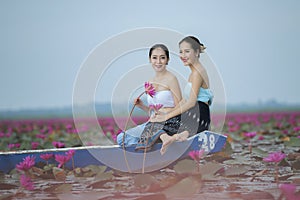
(254,44)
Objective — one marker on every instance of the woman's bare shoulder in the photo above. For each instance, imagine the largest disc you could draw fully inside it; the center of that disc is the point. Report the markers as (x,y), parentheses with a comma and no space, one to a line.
(171,75)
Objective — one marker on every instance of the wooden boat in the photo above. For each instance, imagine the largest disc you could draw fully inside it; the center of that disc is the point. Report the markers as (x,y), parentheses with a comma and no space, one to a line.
(128,160)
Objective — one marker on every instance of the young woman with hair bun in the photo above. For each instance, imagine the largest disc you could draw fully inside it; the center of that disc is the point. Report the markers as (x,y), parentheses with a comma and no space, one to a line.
(194,109)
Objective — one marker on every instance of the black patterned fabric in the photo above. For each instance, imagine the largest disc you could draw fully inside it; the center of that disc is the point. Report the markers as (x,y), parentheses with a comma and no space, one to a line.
(170,127)
(195,120)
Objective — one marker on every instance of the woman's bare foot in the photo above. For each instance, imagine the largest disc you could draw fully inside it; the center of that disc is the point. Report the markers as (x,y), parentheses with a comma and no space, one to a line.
(182,136)
(166,141)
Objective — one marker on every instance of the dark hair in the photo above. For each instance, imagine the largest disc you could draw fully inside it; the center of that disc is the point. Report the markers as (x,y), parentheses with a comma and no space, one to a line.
(194,42)
(162,46)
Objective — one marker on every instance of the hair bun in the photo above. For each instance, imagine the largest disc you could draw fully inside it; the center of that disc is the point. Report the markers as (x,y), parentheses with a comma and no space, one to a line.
(202,48)
(195,43)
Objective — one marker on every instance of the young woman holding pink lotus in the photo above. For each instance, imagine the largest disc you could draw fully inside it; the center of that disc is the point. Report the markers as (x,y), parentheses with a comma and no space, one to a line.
(167,96)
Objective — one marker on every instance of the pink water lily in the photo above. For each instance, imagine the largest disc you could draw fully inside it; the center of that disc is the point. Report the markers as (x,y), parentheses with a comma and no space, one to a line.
(62,159)
(149,89)
(26,182)
(196,155)
(16,145)
(155,107)
(261,137)
(27,163)
(287,188)
(114,137)
(289,191)
(296,129)
(275,157)
(41,136)
(250,134)
(34,145)
(58,144)
(70,153)
(46,156)
(10,146)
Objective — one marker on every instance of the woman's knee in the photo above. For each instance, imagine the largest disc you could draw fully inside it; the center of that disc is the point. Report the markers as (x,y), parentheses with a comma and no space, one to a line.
(120,138)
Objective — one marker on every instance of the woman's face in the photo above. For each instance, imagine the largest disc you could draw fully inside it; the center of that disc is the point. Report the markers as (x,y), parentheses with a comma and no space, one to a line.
(159,59)
(187,54)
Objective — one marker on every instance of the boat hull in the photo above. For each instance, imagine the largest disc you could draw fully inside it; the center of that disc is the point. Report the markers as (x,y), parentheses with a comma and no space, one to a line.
(128,160)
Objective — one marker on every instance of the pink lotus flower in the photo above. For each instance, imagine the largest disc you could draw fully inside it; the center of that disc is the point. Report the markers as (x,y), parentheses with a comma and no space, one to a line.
(196,155)
(285,132)
(296,129)
(155,107)
(287,188)
(114,137)
(275,157)
(16,145)
(27,163)
(8,135)
(41,136)
(250,134)
(62,159)
(70,153)
(289,191)
(58,144)
(89,144)
(11,146)
(69,126)
(26,182)
(46,156)
(261,137)
(230,123)
(234,128)
(34,145)
(149,89)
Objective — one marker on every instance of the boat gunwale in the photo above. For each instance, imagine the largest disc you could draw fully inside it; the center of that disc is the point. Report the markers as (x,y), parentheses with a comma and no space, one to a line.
(82,147)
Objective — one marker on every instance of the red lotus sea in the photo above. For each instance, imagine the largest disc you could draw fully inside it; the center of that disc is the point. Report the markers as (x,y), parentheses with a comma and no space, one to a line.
(261,160)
